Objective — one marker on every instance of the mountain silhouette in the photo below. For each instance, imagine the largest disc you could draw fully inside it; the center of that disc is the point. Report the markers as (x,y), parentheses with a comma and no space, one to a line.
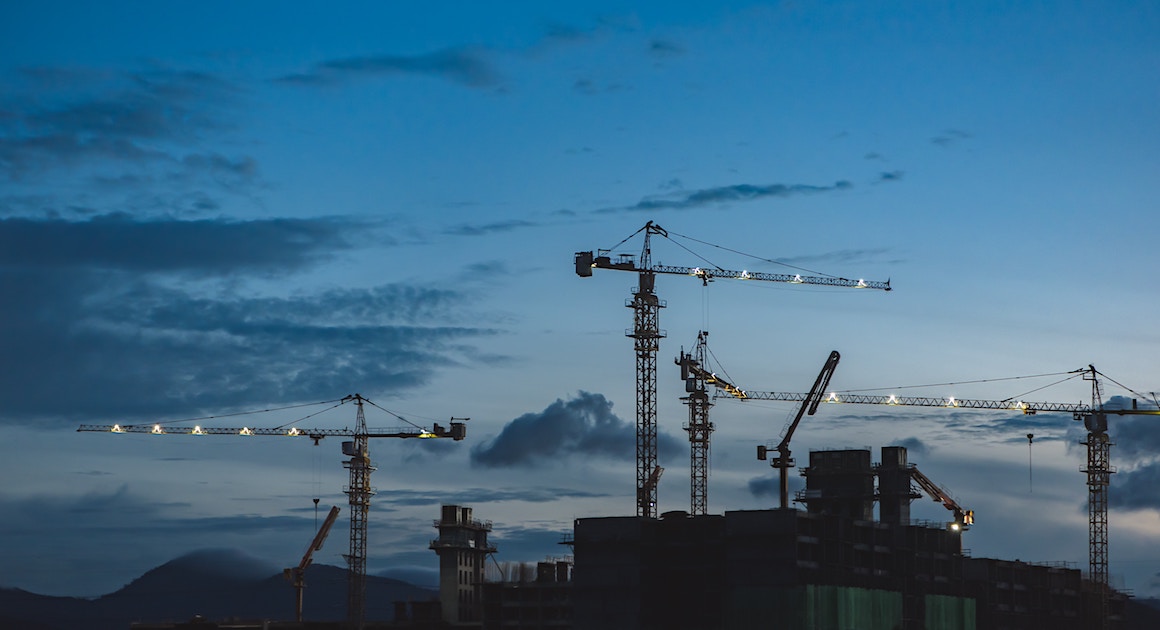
(213,583)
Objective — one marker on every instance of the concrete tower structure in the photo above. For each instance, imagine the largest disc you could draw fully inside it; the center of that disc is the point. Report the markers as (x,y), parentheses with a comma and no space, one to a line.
(462,548)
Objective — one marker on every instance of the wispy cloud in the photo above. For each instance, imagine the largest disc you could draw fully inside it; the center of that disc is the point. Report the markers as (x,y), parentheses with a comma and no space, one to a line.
(483,229)
(844,256)
(130,117)
(469,67)
(951,137)
(689,200)
(665,48)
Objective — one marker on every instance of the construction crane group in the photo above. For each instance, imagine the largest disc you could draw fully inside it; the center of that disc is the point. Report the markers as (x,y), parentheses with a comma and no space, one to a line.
(698,379)
(646,335)
(359,491)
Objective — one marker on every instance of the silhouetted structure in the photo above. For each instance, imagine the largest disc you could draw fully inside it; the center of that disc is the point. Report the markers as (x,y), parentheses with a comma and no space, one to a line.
(532,598)
(831,566)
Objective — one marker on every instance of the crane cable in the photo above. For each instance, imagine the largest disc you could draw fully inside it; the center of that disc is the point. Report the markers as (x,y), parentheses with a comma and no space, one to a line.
(371,403)
(741,253)
(245,413)
(982,380)
(1126,388)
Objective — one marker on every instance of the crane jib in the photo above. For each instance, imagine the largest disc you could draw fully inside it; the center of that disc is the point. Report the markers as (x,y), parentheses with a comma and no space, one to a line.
(587,261)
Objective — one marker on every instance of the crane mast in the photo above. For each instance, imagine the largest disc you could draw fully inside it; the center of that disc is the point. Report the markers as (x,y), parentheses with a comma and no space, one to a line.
(646,335)
(697,379)
(359,494)
(698,427)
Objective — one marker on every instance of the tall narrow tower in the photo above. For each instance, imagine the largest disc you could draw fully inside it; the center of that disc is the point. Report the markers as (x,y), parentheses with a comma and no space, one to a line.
(462,548)
(646,308)
(699,427)
(359,492)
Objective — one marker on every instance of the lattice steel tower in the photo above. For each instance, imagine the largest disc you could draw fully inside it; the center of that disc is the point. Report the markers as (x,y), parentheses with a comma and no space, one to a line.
(1099,473)
(646,334)
(360,493)
(699,427)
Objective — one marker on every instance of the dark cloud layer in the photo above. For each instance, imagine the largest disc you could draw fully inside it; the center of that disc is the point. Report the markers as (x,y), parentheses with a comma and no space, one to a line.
(1136,488)
(133,117)
(688,200)
(119,241)
(92,345)
(482,496)
(584,425)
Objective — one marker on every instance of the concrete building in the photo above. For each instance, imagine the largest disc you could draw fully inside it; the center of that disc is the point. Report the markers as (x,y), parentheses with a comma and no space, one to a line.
(462,547)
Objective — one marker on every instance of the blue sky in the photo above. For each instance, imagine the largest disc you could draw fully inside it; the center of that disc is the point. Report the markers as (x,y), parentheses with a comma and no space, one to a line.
(213,207)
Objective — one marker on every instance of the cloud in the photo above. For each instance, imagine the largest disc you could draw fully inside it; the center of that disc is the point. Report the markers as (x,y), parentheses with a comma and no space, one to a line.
(664,48)
(584,425)
(950,137)
(688,200)
(843,256)
(469,67)
(913,445)
(482,495)
(769,486)
(119,241)
(1136,437)
(1136,488)
(466,229)
(99,344)
(125,117)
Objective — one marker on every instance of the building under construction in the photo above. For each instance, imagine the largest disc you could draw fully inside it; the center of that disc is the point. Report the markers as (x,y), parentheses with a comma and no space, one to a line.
(830,566)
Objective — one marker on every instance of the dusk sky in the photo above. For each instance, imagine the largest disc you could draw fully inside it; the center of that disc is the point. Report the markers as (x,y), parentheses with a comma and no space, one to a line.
(215,207)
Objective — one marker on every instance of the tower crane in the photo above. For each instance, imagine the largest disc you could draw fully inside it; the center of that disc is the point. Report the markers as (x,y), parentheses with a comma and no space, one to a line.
(358,492)
(297,575)
(784,461)
(1098,468)
(697,378)
(647,335)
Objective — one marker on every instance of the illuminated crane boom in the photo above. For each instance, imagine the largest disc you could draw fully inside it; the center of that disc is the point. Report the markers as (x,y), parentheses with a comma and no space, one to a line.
(964,518)
(359,491)
(647,335)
